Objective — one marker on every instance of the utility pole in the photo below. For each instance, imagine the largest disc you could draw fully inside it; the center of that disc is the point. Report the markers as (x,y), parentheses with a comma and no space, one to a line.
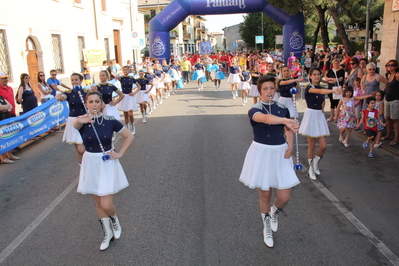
(262,31)
(366,43)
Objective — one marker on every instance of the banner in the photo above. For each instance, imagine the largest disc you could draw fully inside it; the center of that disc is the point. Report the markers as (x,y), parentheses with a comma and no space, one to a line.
(94,57)
(205,48)
(16,131)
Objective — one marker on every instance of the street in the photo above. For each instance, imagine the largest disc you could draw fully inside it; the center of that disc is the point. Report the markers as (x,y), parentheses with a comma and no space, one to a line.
(185,205)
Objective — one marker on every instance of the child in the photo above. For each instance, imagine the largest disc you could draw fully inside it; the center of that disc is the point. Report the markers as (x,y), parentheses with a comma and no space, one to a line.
(244,85)
(379,105)
(370,118)
(216,74)
(358,91)
(346,119)
(86,73)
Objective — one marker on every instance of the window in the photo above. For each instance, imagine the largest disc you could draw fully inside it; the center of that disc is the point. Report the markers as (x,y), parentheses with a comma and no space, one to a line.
(106,47)
(81,44)
(153,13)
(103,5)
(57,53)
(353,39)
(362,39)
(4,58)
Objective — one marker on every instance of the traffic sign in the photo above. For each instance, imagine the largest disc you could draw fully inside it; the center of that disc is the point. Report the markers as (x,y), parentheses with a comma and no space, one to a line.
(258,39)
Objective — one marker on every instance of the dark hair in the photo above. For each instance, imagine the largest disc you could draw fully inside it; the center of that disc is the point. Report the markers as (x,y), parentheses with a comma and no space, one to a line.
(369,99)
(263,79)
(364,59)
(349,88)
(357,79)
(38,78)
(79,75)
(354,60)
(382,94)
(313,69)
(22,84)
(94,93)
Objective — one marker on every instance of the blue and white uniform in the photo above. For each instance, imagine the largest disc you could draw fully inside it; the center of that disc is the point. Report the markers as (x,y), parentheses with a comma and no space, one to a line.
(76,108)
(244,84)
(100,177)
(285,95)
(106,91)
(128,102)
(265,166)
(314,122)
(233,76)
(254,87)
(141,96)
(152,79)
(199,71)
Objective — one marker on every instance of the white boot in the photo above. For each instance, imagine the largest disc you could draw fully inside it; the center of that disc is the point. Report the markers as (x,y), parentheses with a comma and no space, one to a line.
(316,165)
(116,226)
(267,230)
(311,170)
(129,126)
(234,95)
(274,211)
(133,128)
(144,120)
(108,235)
(243,101)
(160,101)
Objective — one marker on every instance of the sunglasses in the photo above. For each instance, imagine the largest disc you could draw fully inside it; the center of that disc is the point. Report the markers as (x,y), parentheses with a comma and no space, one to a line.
(390,65)
(371,68)
(41,75)
(352,63)
(53,74)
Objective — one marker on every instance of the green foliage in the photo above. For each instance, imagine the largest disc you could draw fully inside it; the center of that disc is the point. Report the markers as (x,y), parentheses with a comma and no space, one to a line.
(252,26)
(357,46)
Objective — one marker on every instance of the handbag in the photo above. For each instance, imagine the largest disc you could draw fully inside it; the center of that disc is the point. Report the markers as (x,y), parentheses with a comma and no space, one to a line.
(336,96)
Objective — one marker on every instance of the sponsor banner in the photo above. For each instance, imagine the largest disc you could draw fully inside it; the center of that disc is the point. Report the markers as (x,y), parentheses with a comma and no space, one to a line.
(94,57)
(205,48)
(16,131)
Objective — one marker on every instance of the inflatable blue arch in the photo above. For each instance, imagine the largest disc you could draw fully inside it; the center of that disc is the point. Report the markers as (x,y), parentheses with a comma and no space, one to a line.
(178,10)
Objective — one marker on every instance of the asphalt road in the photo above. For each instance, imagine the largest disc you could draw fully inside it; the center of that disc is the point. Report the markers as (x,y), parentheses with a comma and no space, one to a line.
(185,205)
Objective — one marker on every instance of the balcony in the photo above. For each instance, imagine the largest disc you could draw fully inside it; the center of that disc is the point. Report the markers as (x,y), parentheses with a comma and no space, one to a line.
(173,35)
(186,37)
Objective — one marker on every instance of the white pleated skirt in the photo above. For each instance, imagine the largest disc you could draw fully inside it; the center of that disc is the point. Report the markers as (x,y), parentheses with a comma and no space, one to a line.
(128,103)
(100,177)
(254,91)
(244,86)
(71,134)
(314,124)
(154,89)
(200,74)
(175,75)
(160,85)
(265,167)
(141,97)
(112,110)
(288,103)
(233,78)
(167,79)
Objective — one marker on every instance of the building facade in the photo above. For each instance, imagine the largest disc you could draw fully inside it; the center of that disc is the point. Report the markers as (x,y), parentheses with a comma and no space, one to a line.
(57,34)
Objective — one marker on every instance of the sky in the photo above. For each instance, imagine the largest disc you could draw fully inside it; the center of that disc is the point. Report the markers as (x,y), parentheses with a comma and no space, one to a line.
(216,23)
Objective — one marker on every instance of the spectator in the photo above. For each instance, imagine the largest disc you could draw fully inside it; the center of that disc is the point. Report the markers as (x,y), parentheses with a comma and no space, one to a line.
(105,65)
(86,73)
(308,63)
(5,109)
(53,82)
(371,81)
(363,63)
(391,110)
(8,94)
(290,60)
(44,89)
(345,61)
(185,69)
(26,96)
(354,73)
(112,69)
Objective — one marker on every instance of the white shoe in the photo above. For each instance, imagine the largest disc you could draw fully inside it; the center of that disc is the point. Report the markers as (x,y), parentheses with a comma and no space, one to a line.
(316,165)
(144,120)
(108,235)
(199,88)
(274,217)
(312,174)
(133,130)
(267,232)
(116,226)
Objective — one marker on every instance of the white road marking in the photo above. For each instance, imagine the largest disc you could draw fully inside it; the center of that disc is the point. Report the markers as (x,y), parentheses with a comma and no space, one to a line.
(17,241)
(356,222)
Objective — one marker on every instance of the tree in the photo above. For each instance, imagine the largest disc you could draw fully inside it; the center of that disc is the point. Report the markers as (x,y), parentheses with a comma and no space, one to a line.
(252,26)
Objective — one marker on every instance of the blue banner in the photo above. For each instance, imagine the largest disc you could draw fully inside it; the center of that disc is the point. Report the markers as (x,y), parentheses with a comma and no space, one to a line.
(205,48)
(16,131)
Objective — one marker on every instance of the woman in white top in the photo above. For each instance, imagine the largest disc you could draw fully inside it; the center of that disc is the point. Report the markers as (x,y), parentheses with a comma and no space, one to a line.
(44,89)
